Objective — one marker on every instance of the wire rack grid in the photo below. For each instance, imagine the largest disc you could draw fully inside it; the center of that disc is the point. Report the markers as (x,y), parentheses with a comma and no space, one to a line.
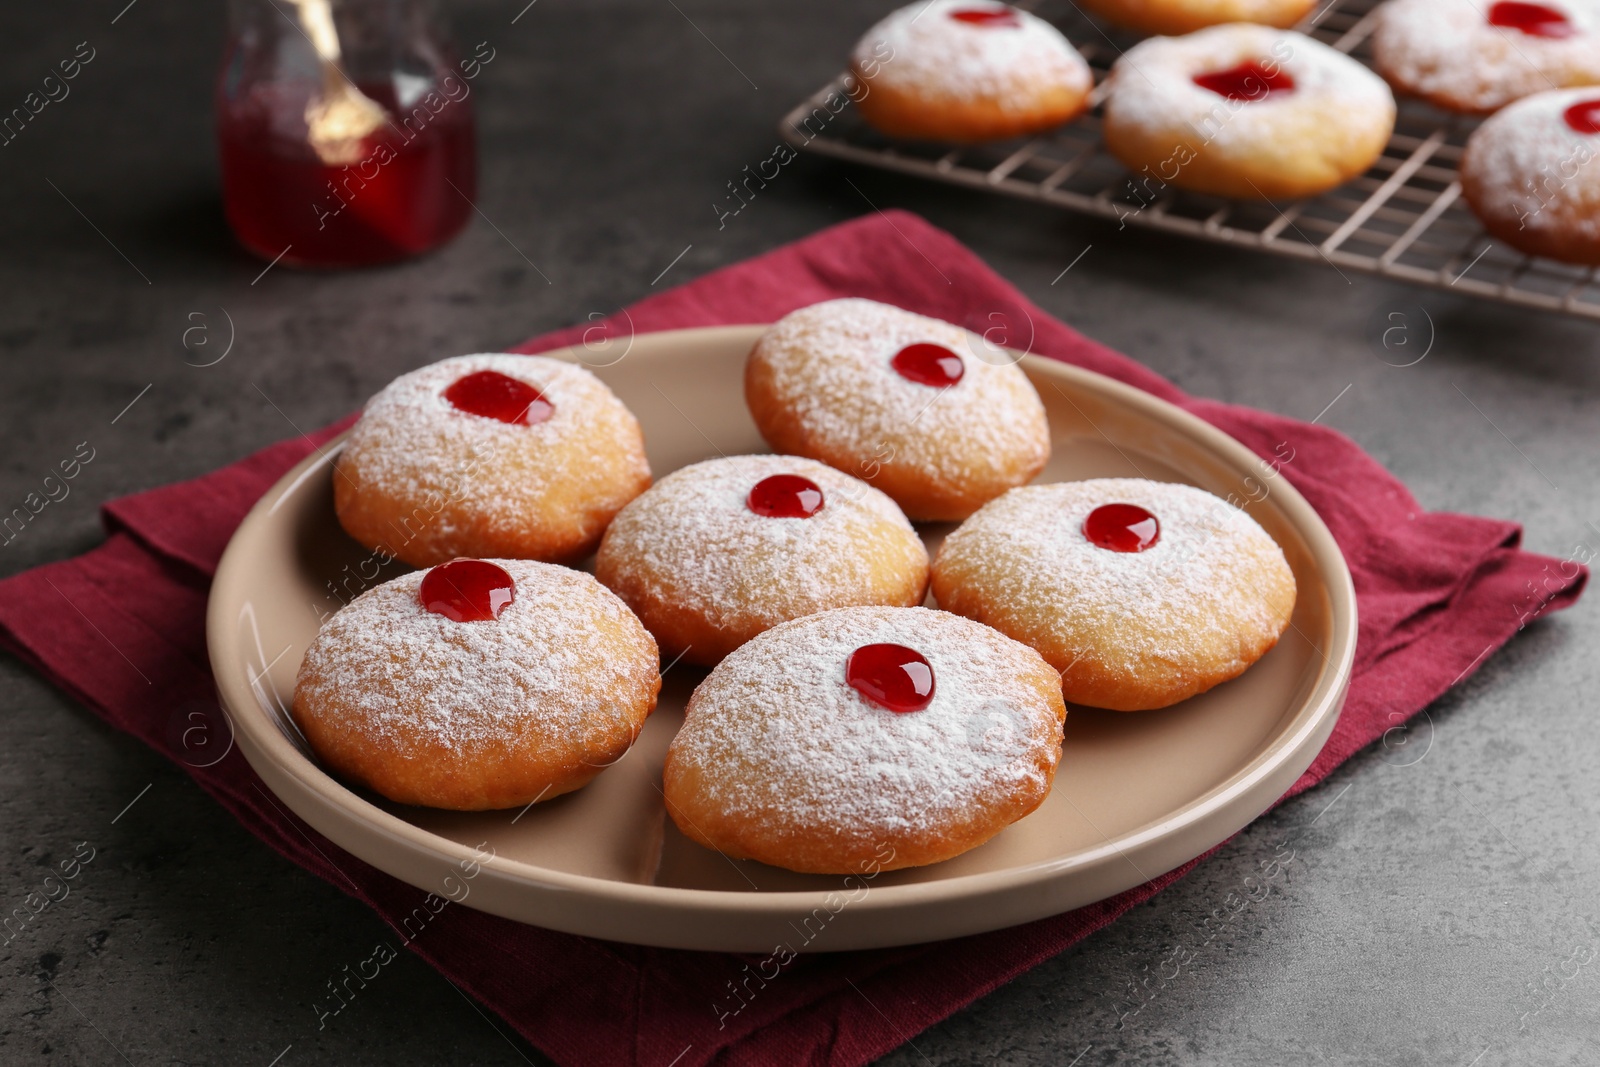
(1403,219)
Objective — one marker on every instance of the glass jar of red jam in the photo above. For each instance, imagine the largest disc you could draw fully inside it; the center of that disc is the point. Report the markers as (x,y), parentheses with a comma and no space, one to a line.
(345,130)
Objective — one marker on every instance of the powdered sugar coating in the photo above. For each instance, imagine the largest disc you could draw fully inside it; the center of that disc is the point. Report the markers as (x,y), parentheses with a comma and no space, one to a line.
(1529,170)
(921,49)
(827,368)
(691,540)
(776,741)
(1152,88)
(478,484)
(1447,51)
(558,665)
(1209,597)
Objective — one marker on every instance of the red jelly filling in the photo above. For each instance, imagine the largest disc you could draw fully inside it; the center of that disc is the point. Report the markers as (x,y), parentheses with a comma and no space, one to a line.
(1535,20)
(929,364)
(1122,527)
(498,396)
(891,676)
(785,496)
(1584,117)
(1250,80)
(467,590)
(987,16)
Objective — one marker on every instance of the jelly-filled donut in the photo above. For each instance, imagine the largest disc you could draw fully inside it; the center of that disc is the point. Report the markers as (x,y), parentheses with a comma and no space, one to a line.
(1530,174)
(1140,593)
(865,738)
(1174,17)
(966,71)
(477,684)
(715,553)
(524,457)
(1245,111)
(1475,56)
(910,404)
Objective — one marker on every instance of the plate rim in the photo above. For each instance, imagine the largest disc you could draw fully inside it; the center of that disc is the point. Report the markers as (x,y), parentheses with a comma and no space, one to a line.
(1318,713)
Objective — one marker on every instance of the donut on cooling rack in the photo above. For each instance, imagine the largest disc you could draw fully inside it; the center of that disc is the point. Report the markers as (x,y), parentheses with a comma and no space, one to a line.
(865,738)
(1174,17)
(489,455)
(1530,173)
(1140,593)
(1475,56)
(715,553)
(967,71)
(1245,111)
(936,417)
(478,684)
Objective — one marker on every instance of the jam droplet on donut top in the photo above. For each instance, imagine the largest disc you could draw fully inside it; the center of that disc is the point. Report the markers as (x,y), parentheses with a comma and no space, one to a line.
(493,395)
(467,590)
(1249,80)
(929,364)
(785,496)
(1584,117)
(992,17)
(1535,20)
(891,676)
(1122,528)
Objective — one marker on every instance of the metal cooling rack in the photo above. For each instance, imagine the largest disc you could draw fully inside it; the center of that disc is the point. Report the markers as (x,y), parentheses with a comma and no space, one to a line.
(1403,219)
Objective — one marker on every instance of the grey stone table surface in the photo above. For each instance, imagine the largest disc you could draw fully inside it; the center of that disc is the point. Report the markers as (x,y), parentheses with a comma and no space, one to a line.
(1441,904)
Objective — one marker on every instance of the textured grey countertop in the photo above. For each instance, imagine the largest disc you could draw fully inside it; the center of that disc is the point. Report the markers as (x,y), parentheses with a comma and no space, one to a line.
(1435,907)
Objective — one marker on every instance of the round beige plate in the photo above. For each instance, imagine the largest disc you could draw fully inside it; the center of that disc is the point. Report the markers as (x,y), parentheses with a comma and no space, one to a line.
(1136,794)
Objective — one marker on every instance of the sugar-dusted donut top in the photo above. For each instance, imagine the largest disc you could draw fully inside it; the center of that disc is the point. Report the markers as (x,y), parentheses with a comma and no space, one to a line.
(1202,573)
(694,531)
(779,736)
(1152,86)
(1526,162)
(411,442)
(831,365)
(922,49)
(401,674)
(1448,48)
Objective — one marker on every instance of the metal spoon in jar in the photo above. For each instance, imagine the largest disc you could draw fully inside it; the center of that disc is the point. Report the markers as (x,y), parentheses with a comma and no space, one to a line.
(341,117)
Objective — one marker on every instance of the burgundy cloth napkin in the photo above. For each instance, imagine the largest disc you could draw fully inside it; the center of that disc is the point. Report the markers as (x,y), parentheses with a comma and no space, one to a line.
(121,629)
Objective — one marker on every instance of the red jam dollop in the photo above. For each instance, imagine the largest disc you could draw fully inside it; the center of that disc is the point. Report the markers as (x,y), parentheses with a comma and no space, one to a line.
(1535,20)
(987,16)
(891,676)
(929,364)
(499,396)
(467,590)
(1122,528)
(1250,80)
(1583,117)
(785,496)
